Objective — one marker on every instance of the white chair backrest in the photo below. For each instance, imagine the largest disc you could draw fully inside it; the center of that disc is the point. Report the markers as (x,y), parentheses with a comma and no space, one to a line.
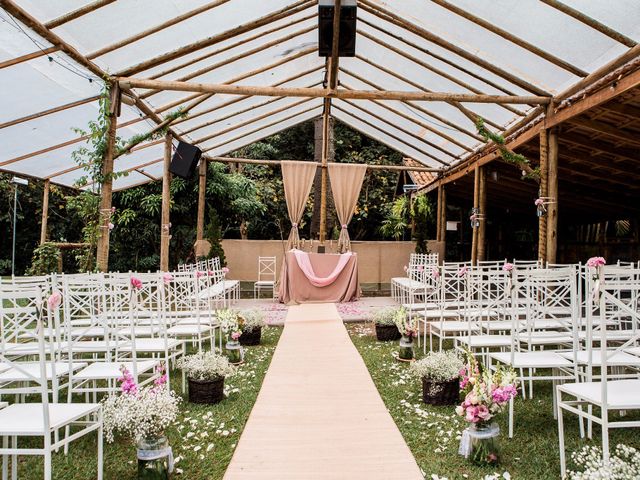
(267,269)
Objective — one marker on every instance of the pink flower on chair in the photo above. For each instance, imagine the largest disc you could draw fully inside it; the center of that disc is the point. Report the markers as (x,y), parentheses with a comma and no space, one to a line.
(595,262)
(225,270)
(167,277)
(405,268)
(136,283)
(507,267)
(463,271)
(199,274)
(210,273)
(435,273)
(53,302)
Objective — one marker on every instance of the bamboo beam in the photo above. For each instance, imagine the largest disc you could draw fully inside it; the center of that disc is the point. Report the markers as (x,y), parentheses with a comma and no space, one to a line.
(231,46)
(45,212)
(323,173)
(276,163)
(28,56)
(150,31)
(441,73)
(607,130)
(77,13)
(335,43)
(106,190)
(543,193)
(476,203)
(482,206)
(165,219)
(49,111)
(591,22)
(212,40)
(552,192)
(128,82)
(391,17)
(512,38)
(202,190)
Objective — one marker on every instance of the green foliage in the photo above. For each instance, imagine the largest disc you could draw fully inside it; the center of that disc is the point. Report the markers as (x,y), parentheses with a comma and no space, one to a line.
(45,260)
(398,219)
(153,134)
(506,154)
(86,206)
(403,213)
(213,233)
(422,214)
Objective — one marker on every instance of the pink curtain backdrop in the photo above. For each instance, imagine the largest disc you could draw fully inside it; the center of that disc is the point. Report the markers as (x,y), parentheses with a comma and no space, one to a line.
(302,258)
(346,182)
(297,178)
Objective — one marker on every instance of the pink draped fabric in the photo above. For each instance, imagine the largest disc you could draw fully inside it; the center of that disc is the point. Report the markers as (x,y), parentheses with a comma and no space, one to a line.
(302,258)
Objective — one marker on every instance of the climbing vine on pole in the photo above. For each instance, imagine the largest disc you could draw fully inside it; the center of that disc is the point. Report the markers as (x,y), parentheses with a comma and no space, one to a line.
(509,156)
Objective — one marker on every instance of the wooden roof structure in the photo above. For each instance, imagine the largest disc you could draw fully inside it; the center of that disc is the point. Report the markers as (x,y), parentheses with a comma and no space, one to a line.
(243,70)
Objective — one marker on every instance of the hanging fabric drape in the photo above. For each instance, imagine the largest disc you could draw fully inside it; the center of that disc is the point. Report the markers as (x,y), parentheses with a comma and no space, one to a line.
(298,179)
(346,182)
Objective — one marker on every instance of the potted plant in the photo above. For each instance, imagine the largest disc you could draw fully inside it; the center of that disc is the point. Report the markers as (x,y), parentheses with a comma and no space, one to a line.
(408,328)
(251,323)
(440,376)
(205,373)
(486,394)
(386,329)
(143,415)
(230,326)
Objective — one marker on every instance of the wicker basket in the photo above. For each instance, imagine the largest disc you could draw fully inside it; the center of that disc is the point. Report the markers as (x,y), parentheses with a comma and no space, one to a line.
(206,391)
(251,337)
(440,393)
(387,333)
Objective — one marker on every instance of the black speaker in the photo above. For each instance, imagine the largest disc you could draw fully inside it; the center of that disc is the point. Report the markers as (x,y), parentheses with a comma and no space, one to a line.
(184,161)
(347,40)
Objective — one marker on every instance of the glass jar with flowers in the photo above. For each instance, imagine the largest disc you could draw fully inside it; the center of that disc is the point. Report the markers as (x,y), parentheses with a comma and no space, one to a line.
(230,326)
(143,415)
(408,328)
(385,325)
(205,372)
(440,376)
(251,323)
(486,394)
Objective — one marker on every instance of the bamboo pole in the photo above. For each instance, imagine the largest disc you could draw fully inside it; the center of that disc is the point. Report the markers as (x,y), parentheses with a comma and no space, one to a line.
(474,235)
(552,192)
(439,216)
(443,227)
(130,82)
(202,190)
(45,212)
(334,61)
(542,221)
(212,40)
(28,56)
(323,174)
(77,13)
(482,206)
(165,221)
(102,256)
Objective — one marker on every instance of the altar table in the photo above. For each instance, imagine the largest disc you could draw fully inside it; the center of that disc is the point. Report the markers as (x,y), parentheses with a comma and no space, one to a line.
(295,287)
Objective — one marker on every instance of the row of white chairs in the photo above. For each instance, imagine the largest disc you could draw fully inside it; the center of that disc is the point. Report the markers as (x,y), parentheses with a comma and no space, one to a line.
(221,287)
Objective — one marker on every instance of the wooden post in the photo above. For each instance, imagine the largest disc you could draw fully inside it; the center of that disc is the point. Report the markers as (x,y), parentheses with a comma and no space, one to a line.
(439,215)
(482,206)
(165,225)
(441,236)
(102,256)
(323,179)
(542,221)
(45,212)
(474,236)
(552,193)
(202,190)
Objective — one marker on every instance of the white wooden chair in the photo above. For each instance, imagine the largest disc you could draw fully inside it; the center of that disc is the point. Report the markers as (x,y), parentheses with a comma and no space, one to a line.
(43,419)
(266,277)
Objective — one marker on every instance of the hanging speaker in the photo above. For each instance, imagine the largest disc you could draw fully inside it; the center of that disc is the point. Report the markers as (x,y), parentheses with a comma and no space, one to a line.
(347,40)
(185,160)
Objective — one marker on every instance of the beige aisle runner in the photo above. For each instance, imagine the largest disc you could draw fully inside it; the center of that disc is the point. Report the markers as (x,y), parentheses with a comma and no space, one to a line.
(318,414)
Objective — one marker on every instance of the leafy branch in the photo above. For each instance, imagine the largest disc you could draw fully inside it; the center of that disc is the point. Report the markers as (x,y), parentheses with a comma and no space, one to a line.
(508,155)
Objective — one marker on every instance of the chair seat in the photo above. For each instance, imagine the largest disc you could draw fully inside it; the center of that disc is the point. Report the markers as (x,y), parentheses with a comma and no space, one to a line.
(545,338)
(87,346)
(453,326)
(32,370)
(434,314)
(618,359)
(543,359)
(111,370)
(27,419)
(621,394)
(265,283)
(152,345)
(484,341)
(181,330)
(26,348)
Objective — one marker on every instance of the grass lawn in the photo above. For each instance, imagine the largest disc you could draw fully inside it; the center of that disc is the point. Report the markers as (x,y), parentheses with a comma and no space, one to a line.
(203,438)
(433,433)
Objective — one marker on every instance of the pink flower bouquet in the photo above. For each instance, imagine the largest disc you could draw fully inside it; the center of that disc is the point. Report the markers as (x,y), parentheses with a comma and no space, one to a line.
(595,262)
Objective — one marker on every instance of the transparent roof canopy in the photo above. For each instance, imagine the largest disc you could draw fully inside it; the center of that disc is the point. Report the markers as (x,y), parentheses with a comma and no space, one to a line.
(497,47)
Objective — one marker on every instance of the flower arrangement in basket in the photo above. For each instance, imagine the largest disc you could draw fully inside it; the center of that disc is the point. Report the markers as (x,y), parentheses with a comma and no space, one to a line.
(205,372)
(408,328)
(385,324)
(251,323)
(440,376)
(143,414)
(230,325)
(486,394)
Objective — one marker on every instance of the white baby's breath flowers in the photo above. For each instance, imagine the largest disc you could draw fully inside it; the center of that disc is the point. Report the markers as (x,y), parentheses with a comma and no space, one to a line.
(252,319)
(438,366)
(383,316)
(228,320)
(206,366)
(624,464)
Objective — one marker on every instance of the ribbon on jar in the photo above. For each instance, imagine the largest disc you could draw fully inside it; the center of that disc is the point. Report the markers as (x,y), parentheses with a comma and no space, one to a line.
(150,455)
